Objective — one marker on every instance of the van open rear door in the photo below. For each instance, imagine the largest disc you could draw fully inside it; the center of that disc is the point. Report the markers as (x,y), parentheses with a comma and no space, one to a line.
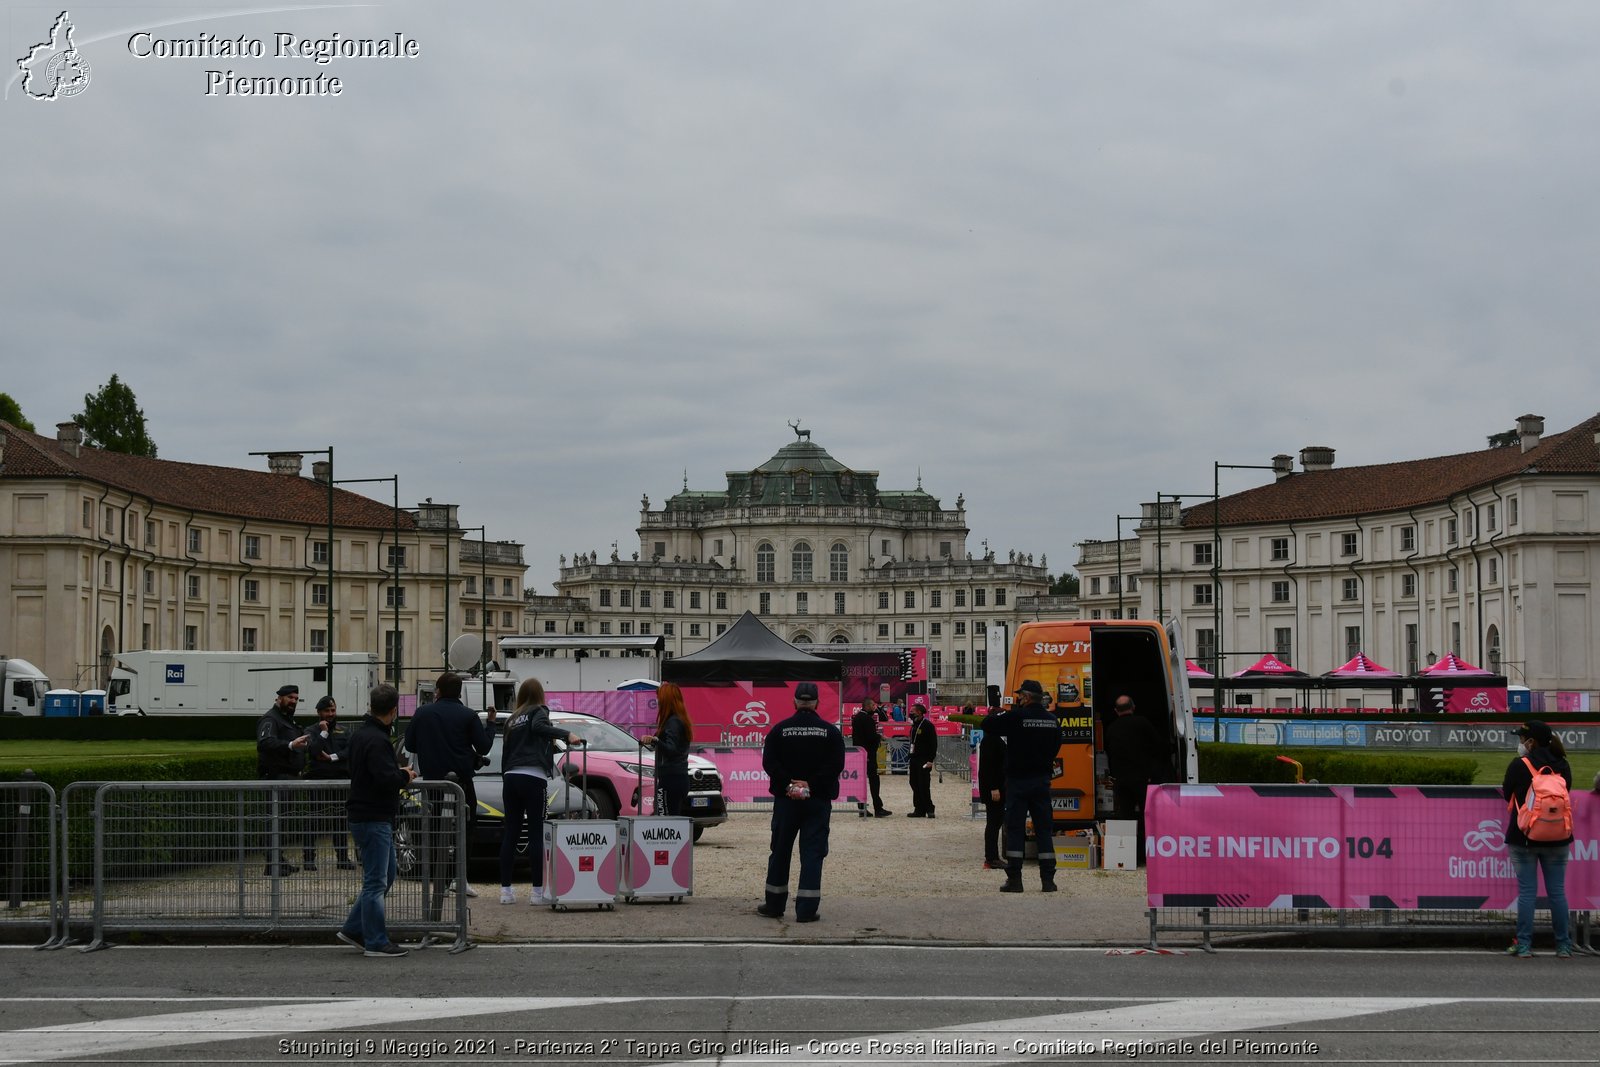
(1182,708)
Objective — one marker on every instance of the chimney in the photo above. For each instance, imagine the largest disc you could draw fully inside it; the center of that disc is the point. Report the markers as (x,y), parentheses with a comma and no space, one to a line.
(69,435)
(1316,458)
(1529,429)
(321,471)
(284,463)
(1282,466)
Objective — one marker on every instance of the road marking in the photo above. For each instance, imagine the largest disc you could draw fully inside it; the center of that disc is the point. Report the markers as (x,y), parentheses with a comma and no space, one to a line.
(112,1036)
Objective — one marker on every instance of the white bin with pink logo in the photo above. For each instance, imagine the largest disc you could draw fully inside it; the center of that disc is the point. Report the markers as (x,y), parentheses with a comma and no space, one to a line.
(657,857)
(581,862)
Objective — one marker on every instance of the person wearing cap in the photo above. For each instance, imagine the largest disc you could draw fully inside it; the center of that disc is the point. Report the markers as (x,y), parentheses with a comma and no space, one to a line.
(865,735)
(803,757)
(1033,739)
(280,757)
(1538,748)
(919,770)
(328,760)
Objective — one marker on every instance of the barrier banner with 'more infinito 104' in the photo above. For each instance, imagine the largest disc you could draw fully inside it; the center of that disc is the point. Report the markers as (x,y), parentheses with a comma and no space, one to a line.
(1347,847)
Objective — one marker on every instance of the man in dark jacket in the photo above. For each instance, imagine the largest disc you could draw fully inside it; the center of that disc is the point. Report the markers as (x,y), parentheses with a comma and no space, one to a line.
(328,760)
(280,757)
(924,750)
(803,758)
(1539,749)
(447,738)
(1033,740)
(376,778)
(865,735)
(1133,748)
(992,788)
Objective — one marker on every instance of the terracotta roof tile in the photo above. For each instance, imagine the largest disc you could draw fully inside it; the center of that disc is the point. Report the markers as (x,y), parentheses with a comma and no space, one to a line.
(217,490)
(1385,487)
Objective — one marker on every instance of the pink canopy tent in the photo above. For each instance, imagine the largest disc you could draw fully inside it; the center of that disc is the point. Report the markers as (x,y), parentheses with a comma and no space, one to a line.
(1269,666)
(1362,667)
(1450,663)
(1197,671)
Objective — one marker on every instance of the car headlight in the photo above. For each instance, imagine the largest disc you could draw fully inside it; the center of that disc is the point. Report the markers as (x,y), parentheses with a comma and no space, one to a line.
(634,768)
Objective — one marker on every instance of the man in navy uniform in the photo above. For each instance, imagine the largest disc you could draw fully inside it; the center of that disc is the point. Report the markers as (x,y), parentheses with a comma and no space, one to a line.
(281,757)
(1033,739)
(865,735)
(924,751)
(803,758)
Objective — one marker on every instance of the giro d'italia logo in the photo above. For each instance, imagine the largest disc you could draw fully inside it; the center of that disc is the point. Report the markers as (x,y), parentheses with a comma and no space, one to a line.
(55,69)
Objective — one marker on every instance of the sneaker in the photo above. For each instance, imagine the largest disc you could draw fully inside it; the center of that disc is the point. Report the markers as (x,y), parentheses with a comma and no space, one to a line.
(882,813)
(1564,952)
(769,913)
(471,892)
(993,865)
(538,897)
(508,895)
(1521,952)
(345,865)
(309,865)
(915,815)
(279,870)
(353,942)
(391,949)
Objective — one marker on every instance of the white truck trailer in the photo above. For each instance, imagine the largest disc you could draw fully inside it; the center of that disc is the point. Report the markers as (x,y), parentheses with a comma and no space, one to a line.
(582,664)
(24,687)
(163,682)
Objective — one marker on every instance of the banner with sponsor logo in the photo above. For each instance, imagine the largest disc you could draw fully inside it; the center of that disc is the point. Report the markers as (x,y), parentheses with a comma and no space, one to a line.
(744,781)
(1369,847)
(742,713)
(1466,735)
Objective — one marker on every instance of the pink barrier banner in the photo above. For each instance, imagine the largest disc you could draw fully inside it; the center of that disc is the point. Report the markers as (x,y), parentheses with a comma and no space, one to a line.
(633,711)
(744,781)
(1345,846)
(742,713)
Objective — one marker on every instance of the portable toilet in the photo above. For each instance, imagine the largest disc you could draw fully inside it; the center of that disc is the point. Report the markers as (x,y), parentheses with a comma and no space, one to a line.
(1519,698)
(62,703)
(93,702)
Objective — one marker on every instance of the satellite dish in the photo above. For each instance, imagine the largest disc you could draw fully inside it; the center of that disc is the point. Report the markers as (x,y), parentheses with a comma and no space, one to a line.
(465,651)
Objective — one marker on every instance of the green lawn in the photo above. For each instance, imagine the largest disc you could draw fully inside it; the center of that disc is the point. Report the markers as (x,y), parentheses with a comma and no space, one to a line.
(15,755)
(1492,765)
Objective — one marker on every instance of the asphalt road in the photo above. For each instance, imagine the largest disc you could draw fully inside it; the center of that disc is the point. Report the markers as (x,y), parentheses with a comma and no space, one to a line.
(781,1004)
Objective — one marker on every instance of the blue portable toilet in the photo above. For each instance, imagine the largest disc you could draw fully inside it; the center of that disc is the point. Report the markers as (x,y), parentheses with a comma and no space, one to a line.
(62,703)
(93,702)
(1519,698)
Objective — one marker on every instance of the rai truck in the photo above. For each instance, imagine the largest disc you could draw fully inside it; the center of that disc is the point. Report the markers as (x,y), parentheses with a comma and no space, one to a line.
(170,682)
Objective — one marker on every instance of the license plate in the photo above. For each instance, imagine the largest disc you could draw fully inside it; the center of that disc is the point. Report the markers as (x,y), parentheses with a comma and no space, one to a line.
(1064,803)
(699,802)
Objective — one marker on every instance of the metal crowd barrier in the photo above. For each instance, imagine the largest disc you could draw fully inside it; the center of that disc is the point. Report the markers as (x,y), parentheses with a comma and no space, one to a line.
(1318,922)
(241,857)
(27,853)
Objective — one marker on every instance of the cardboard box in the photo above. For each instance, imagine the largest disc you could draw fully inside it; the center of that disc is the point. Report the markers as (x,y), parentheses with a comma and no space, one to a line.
(1121,851)
(1076,852)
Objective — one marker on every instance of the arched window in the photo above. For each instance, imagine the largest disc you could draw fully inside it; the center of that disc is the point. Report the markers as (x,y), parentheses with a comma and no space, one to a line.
(839,563)
(1492,641)
(801,638)
(839,639)
(108,645)
(766,563)
(800,562)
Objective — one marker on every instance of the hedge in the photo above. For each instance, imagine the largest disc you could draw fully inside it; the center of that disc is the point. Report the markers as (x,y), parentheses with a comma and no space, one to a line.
(1332,766)
(131,728)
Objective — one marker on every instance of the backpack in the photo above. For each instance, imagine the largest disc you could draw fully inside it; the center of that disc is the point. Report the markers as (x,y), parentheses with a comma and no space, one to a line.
(1545,815)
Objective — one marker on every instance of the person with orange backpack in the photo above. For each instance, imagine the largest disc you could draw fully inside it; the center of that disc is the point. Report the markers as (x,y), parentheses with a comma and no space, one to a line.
(1539,832)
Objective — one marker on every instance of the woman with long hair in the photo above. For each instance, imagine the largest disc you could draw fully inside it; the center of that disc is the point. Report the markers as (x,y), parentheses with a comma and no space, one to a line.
(671,741)
(528,760)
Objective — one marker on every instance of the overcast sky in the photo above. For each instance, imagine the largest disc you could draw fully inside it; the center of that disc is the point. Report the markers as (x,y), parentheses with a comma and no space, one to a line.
(1057,256)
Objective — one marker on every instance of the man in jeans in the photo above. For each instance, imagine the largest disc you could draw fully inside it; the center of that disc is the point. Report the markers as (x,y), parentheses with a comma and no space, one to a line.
(376,778)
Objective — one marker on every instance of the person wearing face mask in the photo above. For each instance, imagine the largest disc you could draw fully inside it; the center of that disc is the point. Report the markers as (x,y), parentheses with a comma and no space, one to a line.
(328,760)
(1538,748)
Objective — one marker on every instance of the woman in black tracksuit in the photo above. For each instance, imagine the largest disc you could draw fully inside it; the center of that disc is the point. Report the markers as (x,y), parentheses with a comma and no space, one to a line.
(528,761)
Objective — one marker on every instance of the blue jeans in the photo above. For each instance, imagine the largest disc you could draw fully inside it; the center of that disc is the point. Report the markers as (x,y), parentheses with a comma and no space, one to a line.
(807,820)
(1027,797)
(375,844)
(1527,859)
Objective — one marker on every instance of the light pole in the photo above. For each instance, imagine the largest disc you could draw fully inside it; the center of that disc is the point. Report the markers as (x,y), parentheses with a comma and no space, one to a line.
(329,453)
(393,479)
(1122,582)
(1161,549)
(483,600)
(1216,548)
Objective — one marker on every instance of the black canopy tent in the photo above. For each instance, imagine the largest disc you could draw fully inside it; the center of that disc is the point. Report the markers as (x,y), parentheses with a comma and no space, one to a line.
(749,652)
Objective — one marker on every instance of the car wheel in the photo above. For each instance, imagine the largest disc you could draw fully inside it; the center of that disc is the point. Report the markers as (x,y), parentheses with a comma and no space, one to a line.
(605,807)
(405,850)
(698,830)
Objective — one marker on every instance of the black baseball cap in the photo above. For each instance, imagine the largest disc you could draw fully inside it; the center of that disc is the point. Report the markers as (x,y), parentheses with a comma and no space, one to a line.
(806,691)
(1031,686)
(1537,731)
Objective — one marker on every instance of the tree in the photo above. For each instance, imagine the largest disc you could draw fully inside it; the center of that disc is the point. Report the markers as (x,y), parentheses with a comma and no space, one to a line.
(113,420)
(11,411)
(1064,585)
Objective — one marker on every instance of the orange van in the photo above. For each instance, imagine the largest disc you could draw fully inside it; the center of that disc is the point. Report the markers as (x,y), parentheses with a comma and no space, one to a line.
(1084,666)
